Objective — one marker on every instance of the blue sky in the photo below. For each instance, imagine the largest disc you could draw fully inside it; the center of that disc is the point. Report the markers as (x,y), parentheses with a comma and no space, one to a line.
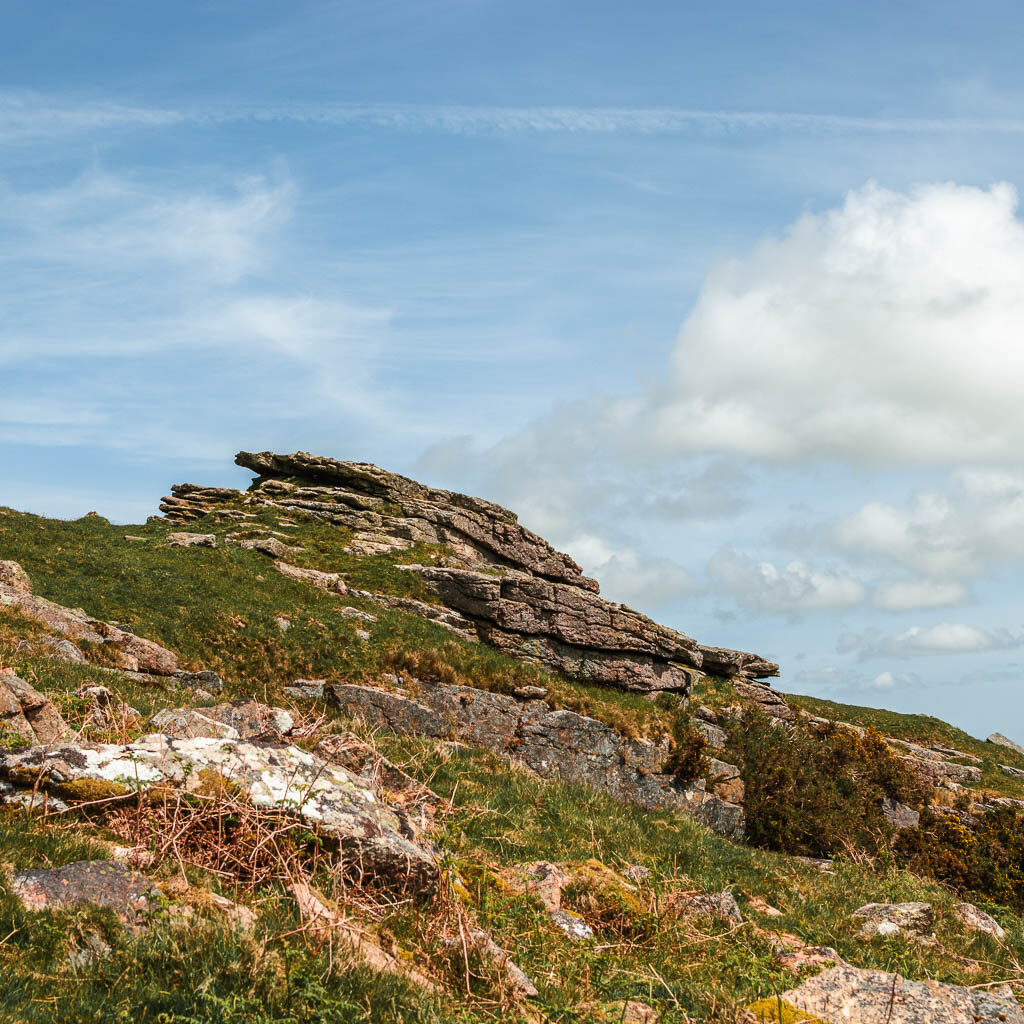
(726,300)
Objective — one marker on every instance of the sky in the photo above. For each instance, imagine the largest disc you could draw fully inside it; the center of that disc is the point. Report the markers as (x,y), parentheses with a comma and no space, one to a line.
(725,300)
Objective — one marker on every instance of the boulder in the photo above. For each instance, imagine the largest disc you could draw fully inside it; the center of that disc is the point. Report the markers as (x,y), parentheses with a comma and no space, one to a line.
(886,919)
(191,540)
(330,582)
(241,719)
(102,883)
(1005,741)
(12,575)
(204,679)
(899,814)
(133,652)
(62,648)
(718,904)
(844,995)
(285,779)
(976,920)
(26,713)
(1014,773)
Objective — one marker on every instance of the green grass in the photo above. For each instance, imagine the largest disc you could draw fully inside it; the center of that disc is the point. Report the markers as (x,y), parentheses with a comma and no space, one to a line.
(218,609)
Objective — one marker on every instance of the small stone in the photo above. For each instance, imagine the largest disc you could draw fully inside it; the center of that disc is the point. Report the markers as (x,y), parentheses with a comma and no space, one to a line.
(191,540)
(719,904)
(886,919)
(282,623)
(715,735)
(531,692)
(976,920)
(901,815)
(572,924)
(1015,773)
(64,650)
(762,907)
(312,689)
(637,874)
(133,537)
(355,613)
(632,1011)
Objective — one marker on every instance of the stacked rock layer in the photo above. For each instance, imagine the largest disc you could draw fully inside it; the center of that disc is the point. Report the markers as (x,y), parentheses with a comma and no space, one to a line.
(514,590)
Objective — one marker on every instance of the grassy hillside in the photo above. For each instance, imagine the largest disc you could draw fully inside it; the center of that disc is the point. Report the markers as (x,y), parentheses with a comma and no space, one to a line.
(223,609)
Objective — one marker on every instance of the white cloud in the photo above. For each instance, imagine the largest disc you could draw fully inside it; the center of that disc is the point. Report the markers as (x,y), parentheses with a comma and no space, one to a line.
(918,641)
(973,527)
(908,595)
(796,587)
(103,223)
(890,681)
(886,329)
(627,576)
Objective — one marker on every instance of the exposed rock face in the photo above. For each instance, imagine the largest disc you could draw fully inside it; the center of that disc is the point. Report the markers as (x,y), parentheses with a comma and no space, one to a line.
(899,814)
(507,586)
(554,743)
(843,995)
(285,778)
(27,713)
(134,653)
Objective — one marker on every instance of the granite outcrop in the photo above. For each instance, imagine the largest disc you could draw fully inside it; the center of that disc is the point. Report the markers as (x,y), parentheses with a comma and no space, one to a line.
(508,586)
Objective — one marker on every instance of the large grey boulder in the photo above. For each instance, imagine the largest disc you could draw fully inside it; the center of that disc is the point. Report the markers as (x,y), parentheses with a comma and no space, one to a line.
(847,995)
(281,778)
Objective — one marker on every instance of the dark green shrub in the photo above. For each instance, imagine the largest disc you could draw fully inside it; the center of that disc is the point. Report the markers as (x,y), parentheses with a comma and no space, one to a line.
(814,790)
(689,758)
(985,858)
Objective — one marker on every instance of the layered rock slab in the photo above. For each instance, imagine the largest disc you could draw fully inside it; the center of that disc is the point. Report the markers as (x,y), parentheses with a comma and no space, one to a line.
(269,776)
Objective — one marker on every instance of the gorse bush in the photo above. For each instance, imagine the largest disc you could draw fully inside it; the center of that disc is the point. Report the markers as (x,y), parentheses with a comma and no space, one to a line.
(984,857)
(815,791)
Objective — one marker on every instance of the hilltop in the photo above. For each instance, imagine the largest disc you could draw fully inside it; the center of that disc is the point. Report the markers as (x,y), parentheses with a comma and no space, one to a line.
(345,747)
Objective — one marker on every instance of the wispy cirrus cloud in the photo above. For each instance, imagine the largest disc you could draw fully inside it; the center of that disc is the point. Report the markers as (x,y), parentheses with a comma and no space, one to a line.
(27,117)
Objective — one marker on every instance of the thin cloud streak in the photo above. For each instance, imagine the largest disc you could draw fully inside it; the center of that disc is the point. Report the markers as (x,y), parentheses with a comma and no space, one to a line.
(35,117)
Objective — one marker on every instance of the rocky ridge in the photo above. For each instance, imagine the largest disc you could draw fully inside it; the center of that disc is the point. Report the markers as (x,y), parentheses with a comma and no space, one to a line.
(509,587)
